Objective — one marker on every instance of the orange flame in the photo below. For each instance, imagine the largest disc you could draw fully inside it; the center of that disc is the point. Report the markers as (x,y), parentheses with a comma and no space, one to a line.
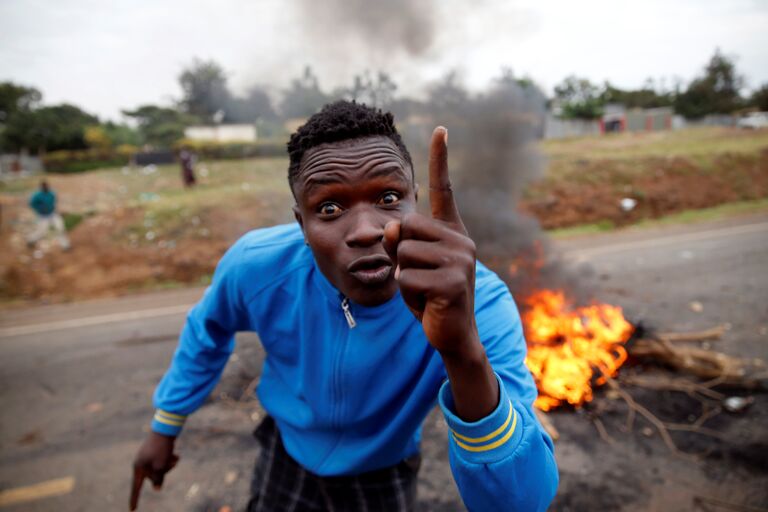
(566,345)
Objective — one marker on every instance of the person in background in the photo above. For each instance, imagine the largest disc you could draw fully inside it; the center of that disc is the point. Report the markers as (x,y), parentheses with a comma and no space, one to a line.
(187,167)
(43,202)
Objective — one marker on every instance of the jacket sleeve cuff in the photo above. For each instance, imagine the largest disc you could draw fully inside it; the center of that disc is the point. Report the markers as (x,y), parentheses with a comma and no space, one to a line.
(167,423)
(487,440)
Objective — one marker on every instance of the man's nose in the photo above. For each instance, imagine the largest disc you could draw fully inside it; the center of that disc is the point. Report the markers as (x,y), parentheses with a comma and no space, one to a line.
(367,230)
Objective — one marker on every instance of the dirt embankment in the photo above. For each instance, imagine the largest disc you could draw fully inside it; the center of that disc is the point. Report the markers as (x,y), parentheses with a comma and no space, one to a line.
(106,260)
(667,185)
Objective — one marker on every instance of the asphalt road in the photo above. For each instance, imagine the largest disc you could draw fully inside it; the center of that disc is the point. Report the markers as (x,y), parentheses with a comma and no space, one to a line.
(77,380)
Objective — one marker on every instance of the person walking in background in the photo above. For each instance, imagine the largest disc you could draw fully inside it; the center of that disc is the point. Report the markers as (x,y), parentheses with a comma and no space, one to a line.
(43,202)
(187,167)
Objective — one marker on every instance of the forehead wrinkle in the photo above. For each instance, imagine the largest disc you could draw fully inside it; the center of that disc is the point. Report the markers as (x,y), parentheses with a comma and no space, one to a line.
(351,148)
(329,160)
(334,174)
(348,156)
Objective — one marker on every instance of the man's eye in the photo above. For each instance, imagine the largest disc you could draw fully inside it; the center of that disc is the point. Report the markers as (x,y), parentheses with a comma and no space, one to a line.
(329,209)
(390,198)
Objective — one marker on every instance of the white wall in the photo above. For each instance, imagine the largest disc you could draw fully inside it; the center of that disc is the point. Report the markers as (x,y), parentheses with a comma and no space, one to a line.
(222,133)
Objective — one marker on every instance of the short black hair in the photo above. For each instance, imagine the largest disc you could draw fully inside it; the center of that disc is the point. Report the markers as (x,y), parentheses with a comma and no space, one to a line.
(337,121)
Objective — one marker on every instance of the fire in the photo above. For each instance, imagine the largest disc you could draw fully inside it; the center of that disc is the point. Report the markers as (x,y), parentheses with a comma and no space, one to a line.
(566,346)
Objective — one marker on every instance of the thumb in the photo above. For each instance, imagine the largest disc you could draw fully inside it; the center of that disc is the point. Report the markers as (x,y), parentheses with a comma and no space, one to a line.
(391,239)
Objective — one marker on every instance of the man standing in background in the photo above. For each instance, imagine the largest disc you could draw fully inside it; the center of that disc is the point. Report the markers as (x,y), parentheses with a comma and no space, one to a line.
(43,202)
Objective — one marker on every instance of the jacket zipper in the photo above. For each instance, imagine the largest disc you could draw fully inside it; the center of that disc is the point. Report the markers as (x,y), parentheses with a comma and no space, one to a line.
(347,313)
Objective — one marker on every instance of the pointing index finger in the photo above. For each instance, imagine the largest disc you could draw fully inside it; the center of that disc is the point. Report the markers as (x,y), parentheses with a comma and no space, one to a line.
(441,198)
(138,480)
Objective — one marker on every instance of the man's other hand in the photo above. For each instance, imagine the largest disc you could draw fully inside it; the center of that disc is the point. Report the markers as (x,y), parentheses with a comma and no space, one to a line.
(154,459)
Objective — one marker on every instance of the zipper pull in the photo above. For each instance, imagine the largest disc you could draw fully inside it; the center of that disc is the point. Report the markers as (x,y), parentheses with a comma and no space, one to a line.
(347,313)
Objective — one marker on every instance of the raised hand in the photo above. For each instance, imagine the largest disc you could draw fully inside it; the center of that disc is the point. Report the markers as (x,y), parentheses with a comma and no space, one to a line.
(436,259)
(154,459)
(436,274)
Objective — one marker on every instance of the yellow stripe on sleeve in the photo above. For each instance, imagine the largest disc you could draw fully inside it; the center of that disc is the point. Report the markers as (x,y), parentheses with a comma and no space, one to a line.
(493,434)
(171,415)
(493,445)
(173,423)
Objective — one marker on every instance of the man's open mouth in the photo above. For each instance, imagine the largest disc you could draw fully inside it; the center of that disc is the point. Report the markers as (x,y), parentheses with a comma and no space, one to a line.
(371,269)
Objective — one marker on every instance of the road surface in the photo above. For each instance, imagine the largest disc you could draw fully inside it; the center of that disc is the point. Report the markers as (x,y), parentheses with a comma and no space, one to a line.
(77,380)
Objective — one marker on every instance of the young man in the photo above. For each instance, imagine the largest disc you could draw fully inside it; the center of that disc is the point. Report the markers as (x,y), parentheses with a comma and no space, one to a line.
(43,202)
(364,307)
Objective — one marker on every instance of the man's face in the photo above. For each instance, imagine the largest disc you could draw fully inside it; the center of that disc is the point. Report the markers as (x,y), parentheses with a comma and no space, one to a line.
(346,192)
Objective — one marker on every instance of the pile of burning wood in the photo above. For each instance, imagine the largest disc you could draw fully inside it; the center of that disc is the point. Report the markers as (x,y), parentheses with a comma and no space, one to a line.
(573,350)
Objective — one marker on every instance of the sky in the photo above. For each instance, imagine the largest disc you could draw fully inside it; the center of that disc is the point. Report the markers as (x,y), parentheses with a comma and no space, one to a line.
(110,56)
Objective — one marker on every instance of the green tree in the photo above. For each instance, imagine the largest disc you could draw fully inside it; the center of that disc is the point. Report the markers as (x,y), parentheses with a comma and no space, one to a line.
(204,90)
(48,128)
(122,134)
(17,98)
(304,97)
(579,98)
(717,91)
(160,126)
(759,98)
(378,91)
(255,105)
(645,97)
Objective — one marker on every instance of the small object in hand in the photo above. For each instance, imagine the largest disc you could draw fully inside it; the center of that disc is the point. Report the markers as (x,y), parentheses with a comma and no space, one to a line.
(737,403)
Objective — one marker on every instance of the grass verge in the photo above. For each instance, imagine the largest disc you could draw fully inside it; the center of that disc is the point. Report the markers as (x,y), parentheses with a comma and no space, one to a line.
(685,217)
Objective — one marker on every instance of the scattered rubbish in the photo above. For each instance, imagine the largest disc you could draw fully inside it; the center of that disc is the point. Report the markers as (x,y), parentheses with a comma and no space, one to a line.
(737,403)
(763,330)
(150,235)
(203,172)
(686,255)
(148,197)
(94,407)
(628,204)
(38,254)
(230,477)
(225,508)
(696,306)
(204,232)
(32,437)
(149,169)
(647,431)
(125,171)
(195,220)
(245,186)
(194,489)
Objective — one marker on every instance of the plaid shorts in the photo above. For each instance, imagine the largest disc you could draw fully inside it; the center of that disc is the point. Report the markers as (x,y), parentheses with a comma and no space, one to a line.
(281,484)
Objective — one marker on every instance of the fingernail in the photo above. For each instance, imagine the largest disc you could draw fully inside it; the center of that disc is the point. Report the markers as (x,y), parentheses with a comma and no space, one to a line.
(445,136)
(397,272)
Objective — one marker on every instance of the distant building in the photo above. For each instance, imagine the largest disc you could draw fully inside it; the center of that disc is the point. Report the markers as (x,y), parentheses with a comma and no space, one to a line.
(619,119)
(222,133)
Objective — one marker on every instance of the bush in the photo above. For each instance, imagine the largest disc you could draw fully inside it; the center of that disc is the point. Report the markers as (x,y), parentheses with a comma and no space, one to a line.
(66,161)
(234,150)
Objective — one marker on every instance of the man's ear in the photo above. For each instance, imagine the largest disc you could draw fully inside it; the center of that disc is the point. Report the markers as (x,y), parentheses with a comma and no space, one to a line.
(297,215)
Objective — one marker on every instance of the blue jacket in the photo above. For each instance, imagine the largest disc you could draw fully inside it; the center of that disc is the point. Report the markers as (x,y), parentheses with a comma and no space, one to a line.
(44,203)
(349,400)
